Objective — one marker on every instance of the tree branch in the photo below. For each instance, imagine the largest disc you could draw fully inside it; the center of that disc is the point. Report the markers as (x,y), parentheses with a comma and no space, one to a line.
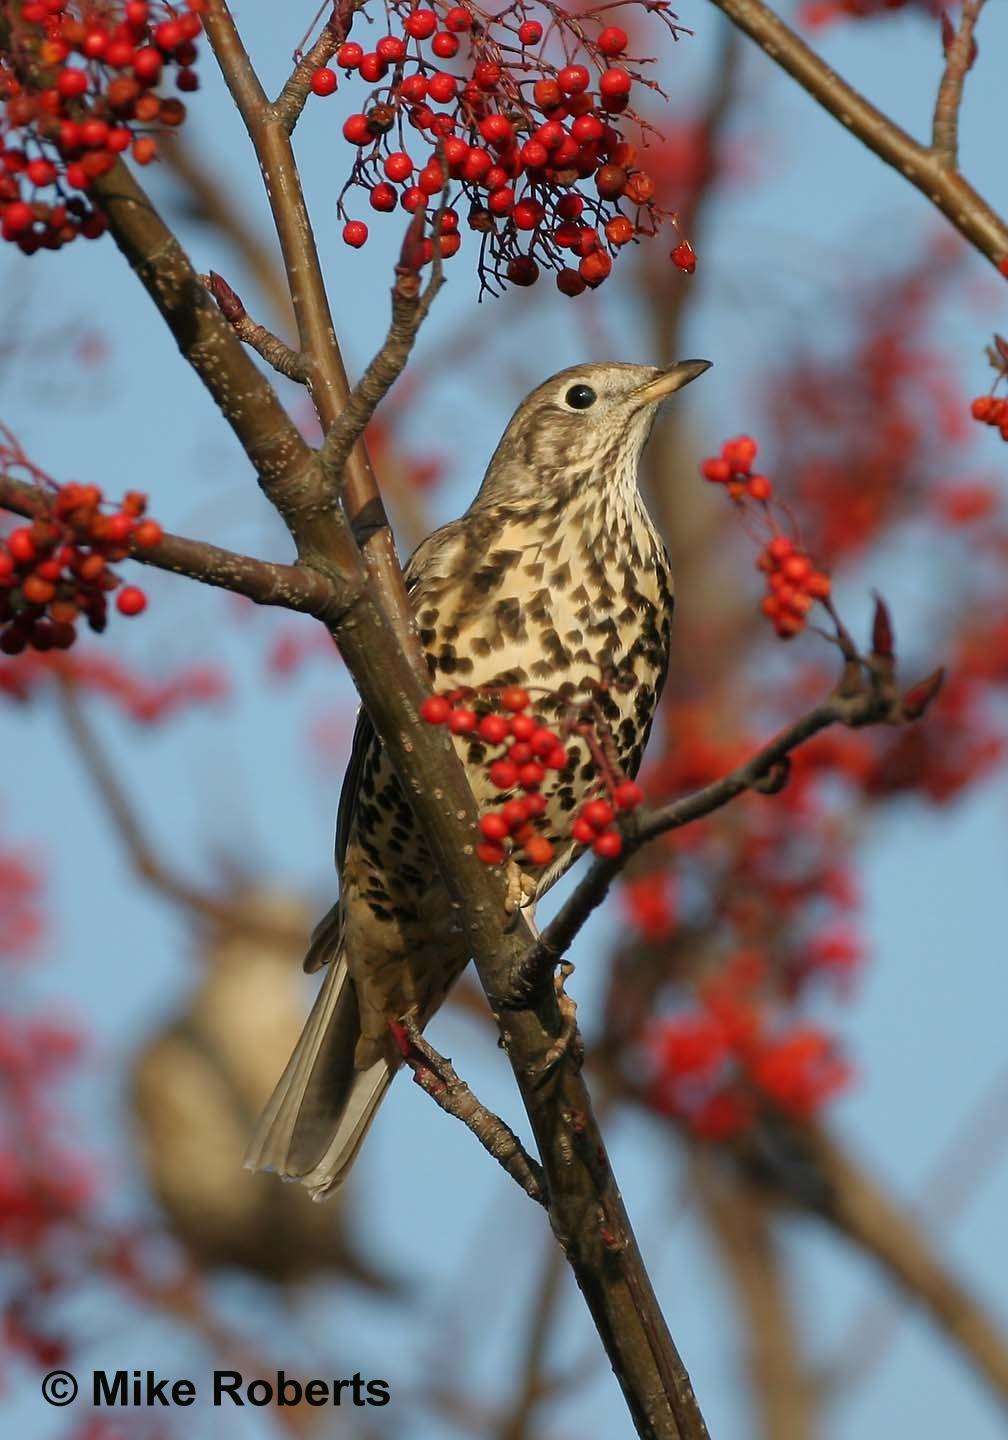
(958,59)
(436,1075)
(293,587)
(968,212)
(871,702)
(289,104)
(278,355)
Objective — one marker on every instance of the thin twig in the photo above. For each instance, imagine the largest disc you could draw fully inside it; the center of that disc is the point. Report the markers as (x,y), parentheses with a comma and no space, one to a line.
(410,305)
(960,54)
(436,1075)
(871,703)
(968,212)
(288,105)
(278,355)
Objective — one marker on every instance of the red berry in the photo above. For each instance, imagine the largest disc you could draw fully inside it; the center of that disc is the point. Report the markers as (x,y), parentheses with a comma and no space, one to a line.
(520,752)
(522,727)
(543,741)
(572,79)
(535,803)
(522,270)
(585,130)
(684,257)
(148,63)
(413,199)
(349,55)
(17,217)
(487,74)
(444,45)
(569,282)
(501,202)
(531,776)
(595,267)
(628,795)
(760,487)
(148,533)
(20,545)
(613,40)
(494,729)
(357,130)
(431,178)
(355,233)
(324,81)
(716,470)
(497,130)
(442,88)
(391,48)
(515,813)
(131,600)
(458,19)
(168,35)
(582,832)
(435,709)
(598,813)
(462,721)
(609,845)
(614,84)
(514,698)
(421,24)
(72,83)
(372,67)
(527,214)
(398,165)
(414,89)
(490,853)
(383,197)
(534,154)
(504,774)
(539,850)
(556,759)
(530,32)
(494,826)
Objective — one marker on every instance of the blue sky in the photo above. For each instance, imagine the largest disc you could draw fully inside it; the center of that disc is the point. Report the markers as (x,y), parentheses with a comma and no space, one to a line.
(927,1027)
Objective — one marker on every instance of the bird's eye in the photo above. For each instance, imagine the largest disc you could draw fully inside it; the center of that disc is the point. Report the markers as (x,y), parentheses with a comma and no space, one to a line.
(579,397)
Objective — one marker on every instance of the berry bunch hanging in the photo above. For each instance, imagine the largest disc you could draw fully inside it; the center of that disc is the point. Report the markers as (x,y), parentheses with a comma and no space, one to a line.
(520,749)
(57,570)
(521,117)
(794,583)
(993,409)
(78,87)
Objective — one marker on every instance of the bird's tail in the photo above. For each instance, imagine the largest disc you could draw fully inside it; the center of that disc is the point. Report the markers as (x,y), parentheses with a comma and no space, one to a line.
(320,1111)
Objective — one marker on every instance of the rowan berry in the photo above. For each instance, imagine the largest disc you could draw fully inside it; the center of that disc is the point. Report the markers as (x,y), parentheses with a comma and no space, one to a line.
(131,600)
(683,257)
(391,48)
(504,774)
(383,197)
(569,282)
(530,32)
(442,88)
(515,699)
(324,81)
(612,40)
(73,83)
(598,813)
(595,267)
(609,846)
(349,55)
(582,832)
(458,19)
(372,67)
(494,826)
(547,94)
(614,83)
(444,45)
(572,79)
(494,729)
(490,853)
(398,166)
(539,850)
(516,813)
(628,795)
(435,709)
(462,721)
(357,130)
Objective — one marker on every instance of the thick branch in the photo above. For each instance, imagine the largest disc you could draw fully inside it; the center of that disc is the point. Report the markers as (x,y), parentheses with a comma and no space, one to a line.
(960,56)
(325,372)
(926,170)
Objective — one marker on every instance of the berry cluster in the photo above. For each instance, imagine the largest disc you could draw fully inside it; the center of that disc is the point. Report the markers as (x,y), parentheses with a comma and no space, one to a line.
(57,569)
(517,129)
(793,582)
(77,80)
(990,410)
(525,750)
(715,1064)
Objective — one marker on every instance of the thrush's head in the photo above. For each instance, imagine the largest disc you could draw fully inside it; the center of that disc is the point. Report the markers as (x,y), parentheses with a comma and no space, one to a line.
(584,426)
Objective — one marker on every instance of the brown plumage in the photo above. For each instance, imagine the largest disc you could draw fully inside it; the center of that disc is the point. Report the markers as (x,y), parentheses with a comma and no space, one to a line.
(555,577)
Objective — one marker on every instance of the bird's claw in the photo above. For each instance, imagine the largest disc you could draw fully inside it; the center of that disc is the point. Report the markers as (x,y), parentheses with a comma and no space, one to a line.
(521,889)
(569,1039)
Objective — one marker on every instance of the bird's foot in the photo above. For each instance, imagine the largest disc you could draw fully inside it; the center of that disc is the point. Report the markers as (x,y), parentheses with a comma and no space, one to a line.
(568,1042)
(521,889)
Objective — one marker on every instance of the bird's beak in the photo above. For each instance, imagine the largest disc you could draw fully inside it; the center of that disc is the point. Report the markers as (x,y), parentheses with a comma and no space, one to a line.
(670,381)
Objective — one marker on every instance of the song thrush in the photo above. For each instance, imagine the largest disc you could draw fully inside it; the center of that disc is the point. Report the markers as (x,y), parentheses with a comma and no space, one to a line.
(554,577)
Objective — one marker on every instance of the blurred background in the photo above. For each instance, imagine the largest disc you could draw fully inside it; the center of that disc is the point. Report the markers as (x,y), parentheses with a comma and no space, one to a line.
(794,1012)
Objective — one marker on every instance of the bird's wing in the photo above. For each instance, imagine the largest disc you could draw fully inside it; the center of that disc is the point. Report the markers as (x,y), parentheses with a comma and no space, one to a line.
(326,936)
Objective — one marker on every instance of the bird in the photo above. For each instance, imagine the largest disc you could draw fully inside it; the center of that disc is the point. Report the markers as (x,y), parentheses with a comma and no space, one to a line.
(554,577)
